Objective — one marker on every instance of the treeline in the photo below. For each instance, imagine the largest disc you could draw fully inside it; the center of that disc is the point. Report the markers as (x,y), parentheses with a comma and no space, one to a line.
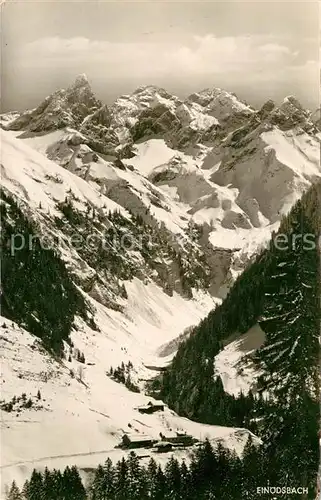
(37,291)
(211,474)
(50,485)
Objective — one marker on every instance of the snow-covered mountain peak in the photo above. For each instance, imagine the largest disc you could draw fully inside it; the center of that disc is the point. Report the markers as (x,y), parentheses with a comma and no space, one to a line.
(153,89)
(60,109)
(220,103)
(291,114)
(211,158)
(144,97)
(291,100)
(205,96)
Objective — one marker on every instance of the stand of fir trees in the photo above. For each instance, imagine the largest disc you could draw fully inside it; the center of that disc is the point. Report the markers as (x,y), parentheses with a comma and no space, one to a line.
(280,291)
(212,473)
(37,291)
(117,236)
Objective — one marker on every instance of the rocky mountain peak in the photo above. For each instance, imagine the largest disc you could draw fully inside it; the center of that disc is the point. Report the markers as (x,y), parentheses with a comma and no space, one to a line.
(81,94)
(291,114)
(81,80)
(267,108)
(292,101)
(60,109)
(205,96)
(152,89)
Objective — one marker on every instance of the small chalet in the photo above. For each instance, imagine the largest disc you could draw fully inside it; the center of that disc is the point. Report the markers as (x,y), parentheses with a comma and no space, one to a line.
(151,408)
(178,438)
(136,441)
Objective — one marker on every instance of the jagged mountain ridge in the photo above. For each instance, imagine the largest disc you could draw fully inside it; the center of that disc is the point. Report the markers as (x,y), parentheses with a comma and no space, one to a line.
(235,172)
(129,117)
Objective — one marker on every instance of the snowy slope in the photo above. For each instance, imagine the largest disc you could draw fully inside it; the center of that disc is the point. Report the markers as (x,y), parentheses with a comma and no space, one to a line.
(54,432)
(77,396)
(232,365)
(31,176)
(150,154)
(238,190)
(220,103)
(270,168)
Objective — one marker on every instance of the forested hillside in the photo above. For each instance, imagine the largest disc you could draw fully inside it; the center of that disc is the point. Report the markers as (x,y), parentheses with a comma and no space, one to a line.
(281,292)
(37,291)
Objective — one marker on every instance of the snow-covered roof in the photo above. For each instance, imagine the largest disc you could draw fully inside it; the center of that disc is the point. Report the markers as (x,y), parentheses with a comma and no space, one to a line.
(137,437)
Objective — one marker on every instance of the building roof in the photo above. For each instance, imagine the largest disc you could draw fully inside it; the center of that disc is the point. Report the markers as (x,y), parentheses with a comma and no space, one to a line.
(169,434)
(137,437)
(149,404)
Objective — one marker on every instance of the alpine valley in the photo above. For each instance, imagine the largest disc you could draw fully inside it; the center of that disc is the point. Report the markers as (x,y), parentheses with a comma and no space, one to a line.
(149,321)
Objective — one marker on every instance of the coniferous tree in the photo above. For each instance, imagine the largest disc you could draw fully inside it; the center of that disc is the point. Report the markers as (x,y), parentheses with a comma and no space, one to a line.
(97,486)
(122,480)
(34,489)
(173,479)
(280,291)
(160,484)
(36,287)
(137,479)
(14,492)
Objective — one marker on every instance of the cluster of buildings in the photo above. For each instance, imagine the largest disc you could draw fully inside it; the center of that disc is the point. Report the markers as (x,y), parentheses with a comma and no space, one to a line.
(168,441)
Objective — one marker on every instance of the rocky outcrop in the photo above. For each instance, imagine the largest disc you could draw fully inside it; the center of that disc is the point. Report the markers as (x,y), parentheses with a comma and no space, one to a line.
(61,109)
(291,114)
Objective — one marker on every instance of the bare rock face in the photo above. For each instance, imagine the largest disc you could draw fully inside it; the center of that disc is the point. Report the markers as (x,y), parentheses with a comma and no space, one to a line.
(291,114)
(220,261)
(316,118)
(232,219)
(62,108)
(266,109)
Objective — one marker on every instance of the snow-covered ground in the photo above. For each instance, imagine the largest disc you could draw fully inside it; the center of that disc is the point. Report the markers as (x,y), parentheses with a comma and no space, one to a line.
(41,182)
(151,154)
(237,372)
(299,151)
(248,242)
(83,413)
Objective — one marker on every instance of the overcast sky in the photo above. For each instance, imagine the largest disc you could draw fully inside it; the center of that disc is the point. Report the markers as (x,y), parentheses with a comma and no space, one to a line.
(258,50)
